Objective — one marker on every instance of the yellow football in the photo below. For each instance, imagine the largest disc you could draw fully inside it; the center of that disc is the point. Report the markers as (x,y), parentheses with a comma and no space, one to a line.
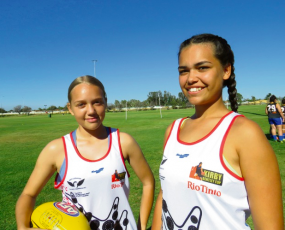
(58,216)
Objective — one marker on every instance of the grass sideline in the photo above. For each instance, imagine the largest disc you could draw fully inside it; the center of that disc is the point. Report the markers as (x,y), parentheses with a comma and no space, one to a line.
(23,137)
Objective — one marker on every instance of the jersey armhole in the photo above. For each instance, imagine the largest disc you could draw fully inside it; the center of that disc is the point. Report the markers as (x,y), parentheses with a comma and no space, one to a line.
(121,152)
(169,134)
(226,165)
(59,181)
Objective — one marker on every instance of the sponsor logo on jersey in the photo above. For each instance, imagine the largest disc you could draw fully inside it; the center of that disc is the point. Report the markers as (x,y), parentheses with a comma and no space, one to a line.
(204,189)
(118,179)
(98,170)
(117,185)
(182,155)
(68,209)
(199,173)
(118,176)
(76,183)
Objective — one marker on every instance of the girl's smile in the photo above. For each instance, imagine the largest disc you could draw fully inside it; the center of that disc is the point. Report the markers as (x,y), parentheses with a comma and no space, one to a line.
(195,90)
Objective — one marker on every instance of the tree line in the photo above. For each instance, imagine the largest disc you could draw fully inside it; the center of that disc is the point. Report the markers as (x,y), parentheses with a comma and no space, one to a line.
(26,109)
(156,98)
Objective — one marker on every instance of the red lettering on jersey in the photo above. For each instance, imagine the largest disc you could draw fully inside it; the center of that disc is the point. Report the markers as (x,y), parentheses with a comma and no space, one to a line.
(204,189)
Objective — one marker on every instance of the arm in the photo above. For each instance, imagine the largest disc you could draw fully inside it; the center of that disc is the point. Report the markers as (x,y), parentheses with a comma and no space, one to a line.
(280,111)
(266,110)
(260,171)
(44,169)
(133,153)
(156,220)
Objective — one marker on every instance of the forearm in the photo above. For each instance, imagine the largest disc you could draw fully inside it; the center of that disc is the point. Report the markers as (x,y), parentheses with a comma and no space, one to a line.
(24,208)
(156,221)
(146,205)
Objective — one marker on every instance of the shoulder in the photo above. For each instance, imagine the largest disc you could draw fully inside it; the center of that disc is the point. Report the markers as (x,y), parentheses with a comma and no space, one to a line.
(125,137)
(170,127)
(55,145)
(246,127)
(126,140)
(247,136)
(53,153)
(129,145)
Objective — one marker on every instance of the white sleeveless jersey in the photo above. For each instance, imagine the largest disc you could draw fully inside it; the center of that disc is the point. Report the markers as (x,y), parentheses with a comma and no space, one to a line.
(98,188)
(199,191)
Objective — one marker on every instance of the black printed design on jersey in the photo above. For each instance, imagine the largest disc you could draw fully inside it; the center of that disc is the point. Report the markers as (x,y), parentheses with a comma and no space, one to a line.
(114,220)
(191,222)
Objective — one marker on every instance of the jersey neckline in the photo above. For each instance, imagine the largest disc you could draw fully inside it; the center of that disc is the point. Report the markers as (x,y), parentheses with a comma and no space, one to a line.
(86,159)
(203,138)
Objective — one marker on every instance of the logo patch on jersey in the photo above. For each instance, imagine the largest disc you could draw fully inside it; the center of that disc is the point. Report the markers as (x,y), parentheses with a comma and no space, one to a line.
(182,155)
(118,177)
(98,170)
(199,173)
(76,182)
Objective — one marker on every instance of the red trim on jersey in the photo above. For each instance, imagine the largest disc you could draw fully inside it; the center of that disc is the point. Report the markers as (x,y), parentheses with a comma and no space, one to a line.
(203,138)
(222,148)
(169,134)
(121,152)
(56,186)
(85,159)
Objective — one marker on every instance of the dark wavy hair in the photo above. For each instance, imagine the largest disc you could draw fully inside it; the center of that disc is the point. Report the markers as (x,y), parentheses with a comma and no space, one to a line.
(224,54)
(272,98)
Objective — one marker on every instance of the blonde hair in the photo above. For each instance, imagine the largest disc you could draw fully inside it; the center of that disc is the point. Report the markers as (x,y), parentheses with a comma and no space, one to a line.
(86,79)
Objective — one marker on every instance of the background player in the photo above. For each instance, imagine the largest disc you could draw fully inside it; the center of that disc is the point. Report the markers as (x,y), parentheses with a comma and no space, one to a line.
(283,111)
(275,118)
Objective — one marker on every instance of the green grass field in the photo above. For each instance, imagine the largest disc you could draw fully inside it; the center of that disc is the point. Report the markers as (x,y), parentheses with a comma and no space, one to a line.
(23,137)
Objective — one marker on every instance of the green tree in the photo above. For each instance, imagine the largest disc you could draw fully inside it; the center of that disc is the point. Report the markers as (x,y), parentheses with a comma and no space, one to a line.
(27,109)
(52,108)
(173,101)
(124,104)
(253,99)
(18,109)
(155,97)
(166,98)
(145,103)
(267,96)
(182,100)
(110,106)
(239,98)
(151,97)
(118,105)
(2,110)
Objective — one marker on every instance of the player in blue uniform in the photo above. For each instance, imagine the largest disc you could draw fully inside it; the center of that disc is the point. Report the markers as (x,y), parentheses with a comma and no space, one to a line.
(275,118)
(283,111)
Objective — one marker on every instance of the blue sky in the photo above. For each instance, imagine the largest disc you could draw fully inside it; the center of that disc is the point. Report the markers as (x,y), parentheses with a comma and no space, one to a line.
(45,45)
